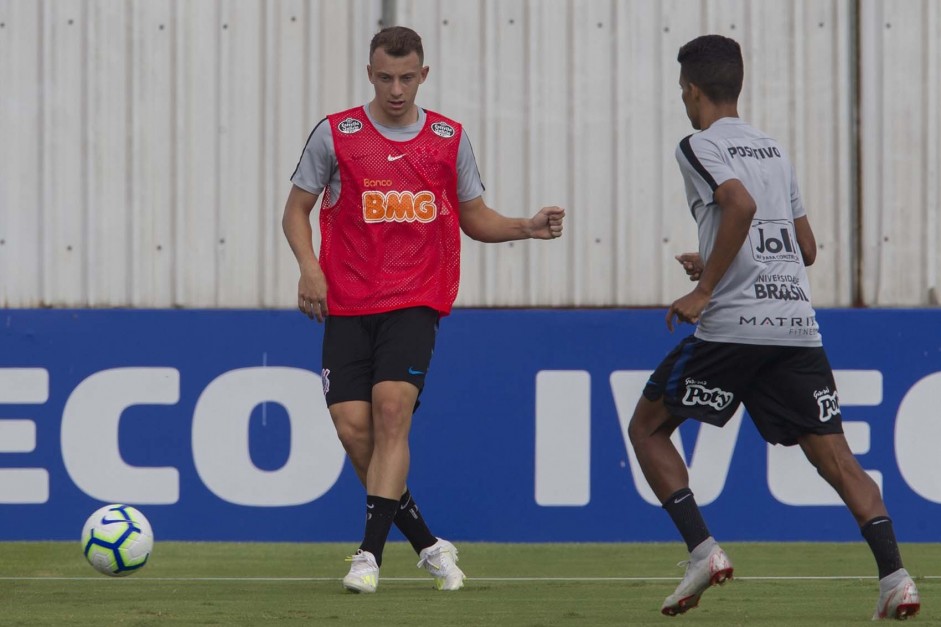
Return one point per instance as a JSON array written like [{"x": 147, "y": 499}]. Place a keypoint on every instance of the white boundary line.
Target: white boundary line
[{"x": 470, "y": 579}]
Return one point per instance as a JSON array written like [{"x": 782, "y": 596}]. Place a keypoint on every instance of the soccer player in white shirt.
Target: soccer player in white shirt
[{"x": 756, "y": 341}]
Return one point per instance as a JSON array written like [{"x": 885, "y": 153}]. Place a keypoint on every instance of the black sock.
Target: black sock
[
  {"x": 881, "y": 538},
  {"x": 379, "y": 515},
  {"x": 410, "y": 522},
  {"x": 682, "y": 508}
]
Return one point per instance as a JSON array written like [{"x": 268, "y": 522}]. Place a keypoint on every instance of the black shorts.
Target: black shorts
[
  {"x": 361, "y": 351},
  {"x": 788, "y": 391}
]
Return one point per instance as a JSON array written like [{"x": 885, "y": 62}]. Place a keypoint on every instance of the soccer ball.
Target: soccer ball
[{"x": 117, "y": 540}]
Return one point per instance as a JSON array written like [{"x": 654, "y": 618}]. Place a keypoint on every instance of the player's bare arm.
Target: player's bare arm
[
  {"x": 483, "y": 224},
  {"x": 806, "y": 240},
  {"x": 738, "y": 209},
  {"x": 312, "y": 286}
]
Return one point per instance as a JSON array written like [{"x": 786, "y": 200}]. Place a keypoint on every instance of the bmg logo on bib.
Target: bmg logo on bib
[{"x": 399, "y": 206}]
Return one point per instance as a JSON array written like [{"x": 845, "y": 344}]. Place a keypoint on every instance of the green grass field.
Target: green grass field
[{"x": 516, "y": 585}]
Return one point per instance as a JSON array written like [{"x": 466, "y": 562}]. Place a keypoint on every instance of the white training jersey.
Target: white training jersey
[{"x": 764, "y": 297}]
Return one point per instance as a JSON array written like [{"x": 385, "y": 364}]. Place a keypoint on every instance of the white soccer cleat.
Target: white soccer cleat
[
  {"x": 364, "y": 572},
  {"x": 898, "y": 597},
  {"x": 713, "y": 569},
  {"x": 440, "y": 559}
]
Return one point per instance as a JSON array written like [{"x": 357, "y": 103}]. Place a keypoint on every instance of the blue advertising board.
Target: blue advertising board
[{"x": 213, "y": 423}]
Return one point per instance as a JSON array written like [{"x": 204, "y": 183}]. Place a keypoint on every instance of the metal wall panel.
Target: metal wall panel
[
  {"x": 153, "y": 170},
  {"x": 576, "y": 102},
  {"x": 21, "y": 210},
  {"x": 901, "y": 182},
  {"x": 64, "y": 157},
  {"x": 317, "y": 59},
  {"x": 147, "y": 144}
]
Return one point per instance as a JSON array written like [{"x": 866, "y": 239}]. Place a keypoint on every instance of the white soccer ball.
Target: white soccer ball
[{"x": 117, "y": 540}]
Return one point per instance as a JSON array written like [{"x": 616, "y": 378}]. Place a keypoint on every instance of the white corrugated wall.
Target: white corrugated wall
[
  {"x": 900, "y": 170},
  {"x": 578, "y": 103},
  {"x": 147, "y": 145}
]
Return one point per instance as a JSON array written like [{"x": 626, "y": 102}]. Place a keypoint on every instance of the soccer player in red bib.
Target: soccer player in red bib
[{"x": 399, "y": 184}]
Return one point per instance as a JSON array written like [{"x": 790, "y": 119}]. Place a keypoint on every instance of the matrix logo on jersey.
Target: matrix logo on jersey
[
  {"x": 698, "y": 394},
  {"x": 399, "y": 206},
  {"x": 773, "y": 240},
  {"x": 828, "y": 403},
  {"x": 795, "y": 325},
  {"x": 442, "y": 129},
  {"x": 350, "y": 126}
]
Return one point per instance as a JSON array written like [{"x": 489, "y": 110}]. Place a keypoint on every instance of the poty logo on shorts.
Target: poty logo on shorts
[
  {"x": 325, "y": 379},
  {"x": 349, "y": 126},
  {"x": 828, "y": 402},
  {"x": 442, "y": 129},
  {"x": 698, "y": 394}
]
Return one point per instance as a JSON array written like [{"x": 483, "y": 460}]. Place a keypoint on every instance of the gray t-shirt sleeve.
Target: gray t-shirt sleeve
[
  {"x": 469, "y": 185},
  {"x": 317, "y": 166},
  {"x": 704, "y": 166}
]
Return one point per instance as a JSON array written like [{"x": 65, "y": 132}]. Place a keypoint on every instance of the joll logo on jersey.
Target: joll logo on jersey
[
  {"x": 395, "y": 206},
  {"x": 772, "y": 240},
  {"x": 828, "y": 403}
]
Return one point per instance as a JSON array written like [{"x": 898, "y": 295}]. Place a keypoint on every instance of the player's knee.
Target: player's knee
[
  {"x": 390, "y": 420},
  {"x": 639, "y": 430},
  {"x": 352, "y": 435},
  {"x": 649, "y": 418},
  {"x": 635, "y": 432}
]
